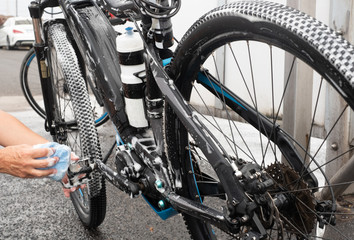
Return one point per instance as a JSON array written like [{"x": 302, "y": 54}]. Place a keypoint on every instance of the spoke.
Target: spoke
[
  {"x": 260, "y": 123},
  {"x": 317, "y": 215},
  {"x": 255, "y": 98},
  {"x": 273, "y": 101},
  {"x": 290, "y": 223},
  {"x": 313, "y": 188},
  {"x": 313, "y": 160},
  {"x": 212, "y": 115},
  {"x": 329, "y": 161},
  {"x": 242, "y": 75},
  {"x": 221, "y": 85},
  {"x": 330, "y": 131},
  {"x": 281, "y": 101},
  {"x": 204, "y": 177},
  {"x": 310, "y": 134},
  {"x": 227, "y": 138},
  {"x": 319, "y": 167},
  {"x": 273, "y": 148},
  {"x": 306, "y": 151}
]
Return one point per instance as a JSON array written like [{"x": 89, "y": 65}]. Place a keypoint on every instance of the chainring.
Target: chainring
[{"x": 299, "y": 217}]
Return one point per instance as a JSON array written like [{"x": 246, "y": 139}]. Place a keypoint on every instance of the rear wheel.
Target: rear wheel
[
  {"x": 243, "y": 110},
  {"x": 73, "y": 108}
]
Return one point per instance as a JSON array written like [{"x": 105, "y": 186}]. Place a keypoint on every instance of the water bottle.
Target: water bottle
[{"x": 130, "y": 52}]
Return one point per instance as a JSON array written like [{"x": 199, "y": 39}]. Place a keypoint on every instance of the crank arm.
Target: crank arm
[
  {"x": 146, "y": 149},
  {"x": 118, "y": 180}
]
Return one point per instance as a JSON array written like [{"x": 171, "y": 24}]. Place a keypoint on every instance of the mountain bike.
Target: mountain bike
[{"x": 192, "y": 137}]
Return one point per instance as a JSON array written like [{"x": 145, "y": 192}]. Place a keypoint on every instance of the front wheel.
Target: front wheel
[
  {"x": 242, "y": 104},
  {"x": 73, "y": 108},
  {"x": 31, "y": 88}
]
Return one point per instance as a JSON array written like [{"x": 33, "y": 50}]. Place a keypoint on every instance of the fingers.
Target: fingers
[
  {"x": 42, "y": 152},
  {"x": 65, "y": 179},
  {"x": 43, "y": 163},
  {"x": 36, "y": 173},
  {"x": 67, "y": 191},
  {"x": 74, "y": 157}
]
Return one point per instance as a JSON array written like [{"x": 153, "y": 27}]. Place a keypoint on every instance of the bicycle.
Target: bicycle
[{"x": 181, "y": 151}]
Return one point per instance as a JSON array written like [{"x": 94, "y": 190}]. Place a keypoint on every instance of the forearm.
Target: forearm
[{"x": 13, "y": 132}]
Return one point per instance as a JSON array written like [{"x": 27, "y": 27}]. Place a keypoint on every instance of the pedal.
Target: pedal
[{"x": 78, "y": 175}]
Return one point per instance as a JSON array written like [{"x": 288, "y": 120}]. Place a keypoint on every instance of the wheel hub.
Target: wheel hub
[{"x": 299, "y": 216}]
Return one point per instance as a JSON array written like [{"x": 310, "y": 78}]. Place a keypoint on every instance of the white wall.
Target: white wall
[{"x": 8, "y": 8}]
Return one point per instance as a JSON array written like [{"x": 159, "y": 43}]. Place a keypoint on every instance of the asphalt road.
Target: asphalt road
[{"x": 37, "y": 209}]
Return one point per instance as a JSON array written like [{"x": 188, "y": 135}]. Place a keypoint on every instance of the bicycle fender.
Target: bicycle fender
[{"x": 95, "y": 38}]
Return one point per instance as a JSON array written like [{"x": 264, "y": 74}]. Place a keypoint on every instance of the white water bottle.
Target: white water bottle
[{"x": 130, "y": 51}]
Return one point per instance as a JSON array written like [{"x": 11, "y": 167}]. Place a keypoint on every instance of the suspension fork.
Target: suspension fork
[{"x": 36, "y": 11}]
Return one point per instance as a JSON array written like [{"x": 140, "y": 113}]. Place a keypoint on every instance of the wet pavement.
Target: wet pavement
[{"x": 37, "y": 209}]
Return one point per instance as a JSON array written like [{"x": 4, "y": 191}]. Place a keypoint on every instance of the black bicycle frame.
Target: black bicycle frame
[{"x": 91, "y": 39}]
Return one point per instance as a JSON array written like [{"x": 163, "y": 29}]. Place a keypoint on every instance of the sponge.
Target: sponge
[{"x": 63, "y": 153}]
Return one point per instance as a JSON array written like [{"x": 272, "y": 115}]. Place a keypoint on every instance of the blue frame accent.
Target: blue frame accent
[
  {"x": 204, "y": 79},
  {"x": 99, "y": 119},
  {"x": 195, "y": 180},
  {"x": 166, "y": 61},
  {"x": 163, "y": 214}
]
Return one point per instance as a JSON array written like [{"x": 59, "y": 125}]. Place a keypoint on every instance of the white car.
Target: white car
[{"x": 16, "y": 31}]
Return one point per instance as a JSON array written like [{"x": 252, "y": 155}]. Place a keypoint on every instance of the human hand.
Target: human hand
[
  {"x": 65, "y": 179},
  {"x": 20, "y": 161}
]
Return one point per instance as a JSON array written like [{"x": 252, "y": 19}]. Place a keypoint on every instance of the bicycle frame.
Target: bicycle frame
[{"x": 91, "y": 40}]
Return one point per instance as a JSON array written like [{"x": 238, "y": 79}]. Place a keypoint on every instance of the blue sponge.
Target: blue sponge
[{"x": 63, "y": 153}]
